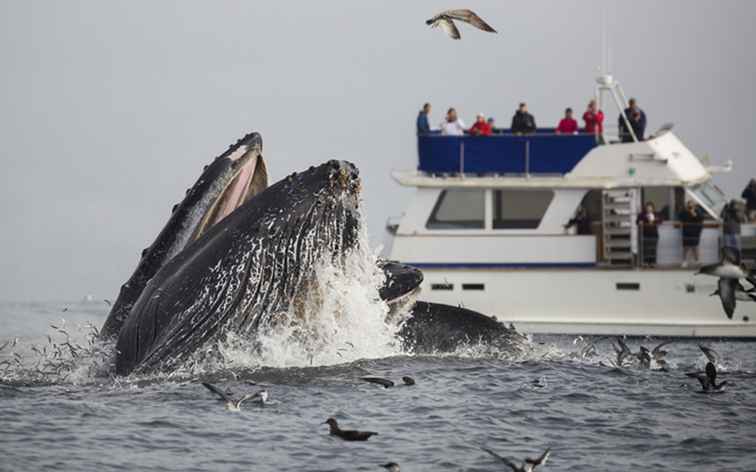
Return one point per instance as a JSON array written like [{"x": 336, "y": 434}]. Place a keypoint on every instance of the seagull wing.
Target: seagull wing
[
  {"x": 541, "y": 460},
  {"x": 469, "y": 16},
  {"x": 710, "y": 353},
  {"x": 450, "y": 28},
  {"x": 217, "y": 391},
  {"x": 657, "y": 352},
  {"x": 506, "y": 461},
  {"x": 246, "y": 397},
  {"x": 727, "y": 295}
]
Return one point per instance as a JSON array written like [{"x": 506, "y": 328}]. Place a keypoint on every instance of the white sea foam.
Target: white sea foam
[{"x": 341, "y": 320}]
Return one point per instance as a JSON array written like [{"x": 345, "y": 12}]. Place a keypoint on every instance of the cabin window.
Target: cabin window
[
  {"x": 458, "y": 209},
  {"x": 520, "y": 209}
]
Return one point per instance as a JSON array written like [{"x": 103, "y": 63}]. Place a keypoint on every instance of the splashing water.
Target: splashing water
[{"x": 341, "y": 320}]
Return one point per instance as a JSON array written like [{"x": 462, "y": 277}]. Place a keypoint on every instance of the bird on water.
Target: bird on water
[
  {"x": 233, "y": 404},
  {"x": 347, "y": 435},
  {"x": 391, "y": 466},
  {"x": 527, "y": 466},
  {"x": 709, "y": 380},
  {"x": 387, "y": 383},
  {"x": 446, "y": 19}
]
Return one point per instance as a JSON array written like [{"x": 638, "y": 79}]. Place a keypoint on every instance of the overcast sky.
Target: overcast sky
[{"x": 109, "y": 110}]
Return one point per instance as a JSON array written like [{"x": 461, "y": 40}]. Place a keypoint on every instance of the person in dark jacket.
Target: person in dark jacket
[
  {"x": 649, "y": 222},
  {"x": 637, "y": 119},
  {"x": 522, "y": 121},
  {"x": 582, "y": 221},
  {"x": 732, "y": 216},
  {"x": 423, "y": 125},
  {"x": 749, "y": 194},
  {"x": 692, "y": 224}
]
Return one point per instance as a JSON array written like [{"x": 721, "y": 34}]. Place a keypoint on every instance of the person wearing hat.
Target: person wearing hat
[{"x": 481, "y": 127}]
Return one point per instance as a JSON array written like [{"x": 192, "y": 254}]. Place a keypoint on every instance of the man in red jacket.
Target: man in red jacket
[
  {"x": 481, "y": 126},
  {"x": 594, "y": 119},
  {"x": 567, "y": 125}
]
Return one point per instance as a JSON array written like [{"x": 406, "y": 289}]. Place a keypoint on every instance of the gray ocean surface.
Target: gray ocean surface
[{"x": 592, "y": 416}]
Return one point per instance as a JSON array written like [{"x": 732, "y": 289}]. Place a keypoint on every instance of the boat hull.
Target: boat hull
[{"x": 673, "y": 303}]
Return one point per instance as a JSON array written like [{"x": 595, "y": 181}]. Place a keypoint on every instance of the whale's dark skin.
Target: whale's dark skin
[
  {"x": 189, "y": 219},
  {"x": 434, "y": 327},
  {"x": 401, "y": 280},
  {"x": 245, "y": 270}
]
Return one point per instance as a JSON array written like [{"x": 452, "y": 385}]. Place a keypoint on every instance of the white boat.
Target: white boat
[{"x": 486, "y": 226}]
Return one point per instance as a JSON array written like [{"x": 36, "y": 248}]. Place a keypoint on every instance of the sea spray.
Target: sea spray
[{"x": 341, "y": 319}]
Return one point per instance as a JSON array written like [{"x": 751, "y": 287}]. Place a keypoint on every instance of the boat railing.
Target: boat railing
[{"x": 542, "y": 152}]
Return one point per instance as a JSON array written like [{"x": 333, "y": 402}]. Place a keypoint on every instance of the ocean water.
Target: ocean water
[{"x": 63, "y": 411}]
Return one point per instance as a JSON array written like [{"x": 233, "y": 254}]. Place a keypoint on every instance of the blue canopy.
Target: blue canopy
[{"x": 536, "y": 153}]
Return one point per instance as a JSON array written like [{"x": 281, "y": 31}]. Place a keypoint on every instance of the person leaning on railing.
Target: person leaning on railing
[
  {"x": 522, "y": 121},
  {"x": 481, "y": 126},
  {"x": 452, "y": 125},
  {"x": 567, "y": 125}
]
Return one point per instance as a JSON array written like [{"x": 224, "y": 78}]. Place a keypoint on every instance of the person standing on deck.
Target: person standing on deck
[
  {"x": 522, "y": 121},
  {"x": 594, "y": 119},
  {"x": 452, "y": 126},
  {"x": 731, "y": 219},
  {"x": 422, "y": 123},
  {"x": 567, "y": 125},
  {"x": 749, "y": 194},
  {"x": 637, "y": 119},
  {"x": 691, "y": 219},
  {"x": 649, "y": 222}
]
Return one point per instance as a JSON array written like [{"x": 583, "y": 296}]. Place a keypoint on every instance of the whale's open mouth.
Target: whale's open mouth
[{"x": 249, "y": 178}]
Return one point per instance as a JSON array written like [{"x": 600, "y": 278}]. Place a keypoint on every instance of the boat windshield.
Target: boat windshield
[{"x": 709, "y": 196}]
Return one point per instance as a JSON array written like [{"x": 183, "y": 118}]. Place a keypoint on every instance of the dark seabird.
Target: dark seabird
[
  {"x": 644, "y": 357},
  {"x": 408, "y": 380},
  {"x": 709, "y": 380},
  {"x": 391, "y": 466},
  {"x": 446, "y": 19},
  {"x": 235, "y": 405},
  {"x": 347, "y": 435},
  {"x": 386, "y": 383},
  {"x": 622, "y": 352},
  {"x": 528, "y": 466}
]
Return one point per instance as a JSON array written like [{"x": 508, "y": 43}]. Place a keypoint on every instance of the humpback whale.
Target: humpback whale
[
  {"x": 231, "y": 179},
  {"x": 245, "y": 271}
]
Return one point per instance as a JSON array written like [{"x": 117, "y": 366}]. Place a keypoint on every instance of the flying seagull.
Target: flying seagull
[
  {"x": 528, "y": 466},
  {"x": 622, "y": 352},
  {"x": 712, "y": 355},
  {"x": 347, "y": 435},
  {"x": 660, "y": 354},
  {"x": 446, "y": 19},
  {"x": 235, "y": 405}
]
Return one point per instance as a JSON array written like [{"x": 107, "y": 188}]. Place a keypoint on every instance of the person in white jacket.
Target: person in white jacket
[{"x": 452, "y": 126}]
